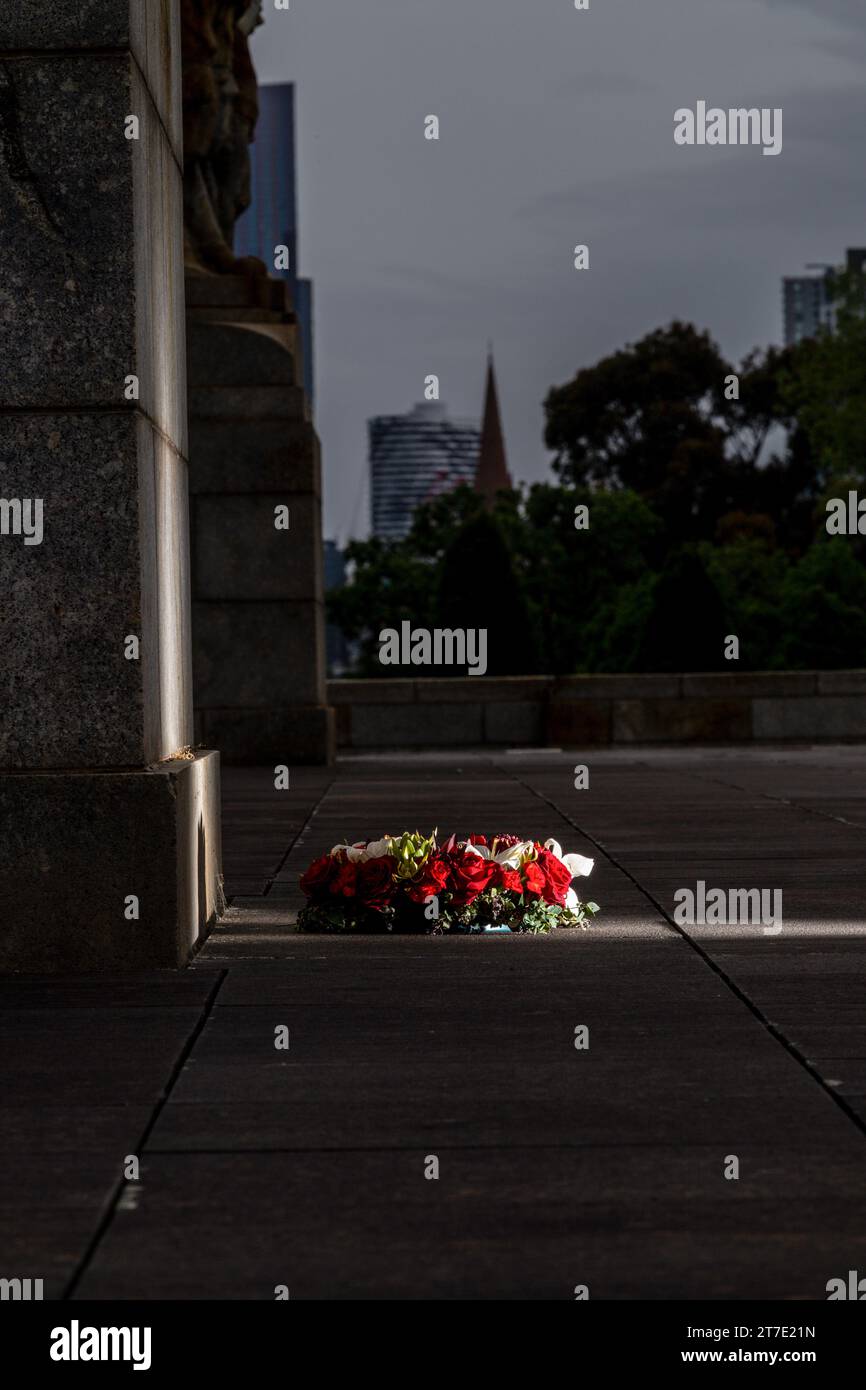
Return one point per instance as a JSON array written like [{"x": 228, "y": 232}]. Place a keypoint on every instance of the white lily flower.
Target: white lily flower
[
  {"x": 577, "y": 865},
  {"x": 513, "y": 858},
  {"x": 572, "y": 901},
  {"x": 580, "y": 866},
  {"x": 377, "y": 849},
  {"x": 510, "y": 858},
  {"x": 354, "y": 853}
]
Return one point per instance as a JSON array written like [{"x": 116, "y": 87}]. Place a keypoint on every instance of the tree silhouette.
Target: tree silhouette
[
  {"x": 479, "y": 588},
  {"x": 686, "y": 627}
]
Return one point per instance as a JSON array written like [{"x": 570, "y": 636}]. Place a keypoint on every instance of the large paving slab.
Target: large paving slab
[
  {"x": 557, "y": 1166},
  {"x": 84, "y": 1067},
  {"x": 651, "y": 1222}
]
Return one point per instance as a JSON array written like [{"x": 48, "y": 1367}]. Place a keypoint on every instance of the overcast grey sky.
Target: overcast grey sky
[{"x": 556, "y": 129}]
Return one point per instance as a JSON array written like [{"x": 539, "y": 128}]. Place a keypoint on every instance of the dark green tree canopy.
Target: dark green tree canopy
[
  {"x": 662, "y": 417},
  {"x": 704, "y": 502}
]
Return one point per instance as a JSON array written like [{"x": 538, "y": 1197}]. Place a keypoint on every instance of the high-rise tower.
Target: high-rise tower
[
  {"x": 414, "y": 458},
  {"x": 271, "y": 220}
]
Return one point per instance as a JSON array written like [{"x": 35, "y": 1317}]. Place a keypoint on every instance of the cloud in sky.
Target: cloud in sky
[{"x": 556, "y": 128}]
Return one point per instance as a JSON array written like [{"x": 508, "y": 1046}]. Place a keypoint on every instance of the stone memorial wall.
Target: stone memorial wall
[{"x": 109, "y": 824}]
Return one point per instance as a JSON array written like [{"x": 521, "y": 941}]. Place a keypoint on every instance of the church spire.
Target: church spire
[{"x": 492, "y": 472}]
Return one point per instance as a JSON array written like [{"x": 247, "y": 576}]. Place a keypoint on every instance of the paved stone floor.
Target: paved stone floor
[{"x": 557, "y": 1167}]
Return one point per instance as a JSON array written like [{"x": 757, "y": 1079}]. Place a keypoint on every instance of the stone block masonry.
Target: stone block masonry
[
  {"x": 83, "y": 845},
  {"x": 111, "y": 846},
  {"x": 600, "y": 710},
  {"x": 257, "y": 587}
]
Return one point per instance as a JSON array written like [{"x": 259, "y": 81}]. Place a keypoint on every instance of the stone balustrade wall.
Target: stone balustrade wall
[{"x": 600, "y": 710}]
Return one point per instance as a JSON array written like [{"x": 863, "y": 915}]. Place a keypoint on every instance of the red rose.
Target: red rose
[
  {"x": 557, "y": 875},
  {"x": 430, "y": 882},
  {"x": 344, "y": 883},
  {"x": 376, "y": 882},
  {"x": 318, "y": 876},
  {"x": 506, "y": 878},
  {"x": 534, "y": 880},
  {"x": 469, "y": 875},
  {"x": 478, "y": 840}
]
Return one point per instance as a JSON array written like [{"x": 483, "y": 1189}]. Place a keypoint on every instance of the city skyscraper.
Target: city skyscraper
[
  {"x": 414, "y": 458},
  {"x": 419, "y": 456},
  {"x": 808, "y": 302},
  {"x": 806, "y": 307},
  {"x": 271, "y": 220}
]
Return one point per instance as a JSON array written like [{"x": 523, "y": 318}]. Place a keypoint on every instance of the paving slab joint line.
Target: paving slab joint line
[
  {"x": 300, "y": 834},
  {"x": 495, "y": 1146},
  {"x": 778, "y": 800},
  {"x": 120, "y": 1186},
  {"x": 857, "y": 1120}
]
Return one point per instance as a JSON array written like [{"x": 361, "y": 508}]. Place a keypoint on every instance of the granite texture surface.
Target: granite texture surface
[
  {"x": 78, "y": 845},
  {"x": 257, "y": 655},
  {"x": 235, "y": 354},
  {"x": 237, "y": 455},
  {"x": 84, "y": 24},
  {"x": 239, "y": 553},
  {"x": 144, "y": 26},
  {"x": 91, "y": 243},
  {"x": 112, "y": 563},
  {"x": 300, "y": 734},
  {"x": 69, "y": 696},
  {"x": 258, "y": 602}
]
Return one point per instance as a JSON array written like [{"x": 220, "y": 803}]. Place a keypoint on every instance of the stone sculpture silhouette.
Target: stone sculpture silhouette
[{"x": 220, "y": 110}]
